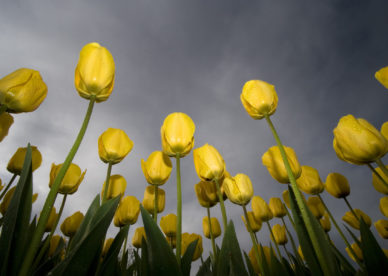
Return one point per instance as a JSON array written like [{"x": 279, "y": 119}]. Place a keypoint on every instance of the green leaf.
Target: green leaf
[
  {"x": 276, "y": 266},
  {"x": 144, "y": 269},
  {"x": 13, "y": 239},
  {"x": 161, "y": 258},
  {"x": 188, "y": 258},
  {"x": 346, "y": 267},
  {"x": 251, "y": 270},
  {"x": 49, "y": 262},
  {"x": 205, "y": 268},
  {"x": 264, "y": 263}
]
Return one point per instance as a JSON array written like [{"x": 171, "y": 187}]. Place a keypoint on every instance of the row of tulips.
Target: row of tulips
[{"x": 25, "y": 249}]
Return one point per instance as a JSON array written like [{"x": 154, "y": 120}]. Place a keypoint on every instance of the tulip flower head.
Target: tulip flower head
[
  {"x": 117, "y": 186},
  {"x": 384, "y": 206},
  {"x": 215, "y": 227},
  {"x": 149, "y": 199},
  {"x": 71, "y": 181},
  {"x": 384, "y": 130},
  {"x": 286, "y": 198},
  {"x": 353, "y": 221},
  {"x": 279, "y": 233},
  {"x": 203, "y": 197},
  {"x": 316, "y": 207},
  {"x": 127, "y": 212},
  {"x": 15, "y": 164},
  {"x": 138, "y": 237},
  {"x": 277, "y": 207},
  {"x": 357, "y": 250},
  {"x": 325, "y": 222},
  {"x": 377, "y": 183},
  {"x": 51, "y": 220},
  {"x": 337, "y": 185},
  {"x": 168, "y": 225},
  {"x": 382, "y": 76},
  {"x": 187, "y": 239},
  {"x": 71, "y": 224},
  {"x": 54, "y": 243},
  {"x": 239, "y": 189},
  {"x": 382, "y": 228},
  {"x": 309, "y": 181},
  {"x": 107, "y": 245},
  {"x": 157, "y": 168},
  {"x": 260, "y": 209},
  {"x": 208, "y": 162},
  {"x": 113, "y": 145},
  {"x": 6, "y": 120},
  {"x": 253, "y": 222}
]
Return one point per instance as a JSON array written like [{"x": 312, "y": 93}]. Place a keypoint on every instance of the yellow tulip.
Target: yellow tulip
[
  {"x": 384, "y": 130},
  {"x": 216, "y": 228},
  {"x": 51, "y": 220},
  {"x": 337, "y": 185},
  {"x": 384, "y": 206},
  {"x": 353, "y": 221},
  {"x": 34, "y": 197},
  {"x": 107, "y": 245},
  {"x": 377, "y": 183},
  {"x": 259, "y": 98},
  {"x": 15, "y": 164},
  {"x": 117, "y": 185},
  {"x": 127, "y": 212},
  {"x": 138, "y": 237},
  {"x": 310, "y": 181},
  {"x": 325, "y": 222},
  {"x": 267, "y": 254},
  {"x": 54, "y": 242},
  {"x": 157, "y": 168},
  {"x": 7, "y": 200},
  {"x": 382, "y": 76},
  {"x": 279, "y": 233},
  {"x": 210, "y": 189},
  {"x": 22, "y": 91},
  {"x": 177, "y": 134},
  {"x": 95, "y": 72},
  {"x": 208, "y": 162},
  {"x": 253, "y": 260},
  {"x": 149, "y": 199},
  {"x": 286, "y": 198},
  {"x": 357, "y": 141},
  {"x": 253, "y": 222},
  {"x": 71, "y": 224},
  {"x": 260, "y": 209},
  {"x": 382, "y": 228},
  {"x": 6, "y": 120},
  {"x": 168, "y": 225},
  {"x": 357, "y": 250},
  {"x": 71, "y": 181},
  {"x": 238, "y": 189},
  {"x": 316, "y": 207},
  {"x": 113, "y": 145},
  {"x": 277, "y": 207},
  {"x": 187, "y": 239},
  {"x": 203, "y": 198},
  {"x": 275, "y": 165}
]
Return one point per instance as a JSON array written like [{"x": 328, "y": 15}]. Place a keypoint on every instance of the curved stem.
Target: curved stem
[
  {"x": 291, "y": 238},
  {"x": 156, "y": 204},
  {"x": 274, "y": 241},
  {"x": 290, "y": 218},
  {"x": 382, "y": 166},
  {"x": 179, "y": 210},
  {"x": 378, "y": 175},
  {"x": 221, "y": 200},
  {"x": 108, "y": 173},
  {"x": 211, "y": 234},
  {"x": 50, "y": 200},
  {"x": 3, "y": 108},
  {"x": 8, "y": 186},
  {"x": 351, "y": 209}
]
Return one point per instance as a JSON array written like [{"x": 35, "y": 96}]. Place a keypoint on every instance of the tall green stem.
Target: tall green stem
[
  {"x": 3, "y": 108},
  {"x": 287, "y": 253},
  {"x": 221, "y": 200},
  {"x": 378, "y": 175},
  {"x": 351, "y": 209},
  {"x": 179, "y": 210},
  {"x": 108, "y": 172},
  {"x": 156, "y": 204},
  {"x": 290, "y": 218},
  {"x": 211, "y": 234},
  {"x": 382, "y": 166},
  {"x": 274, "y": 241},
  {"x": 50, "y": 200},
  {"x": 8, "y": 186},
  {"x": 291, "y": 238}
]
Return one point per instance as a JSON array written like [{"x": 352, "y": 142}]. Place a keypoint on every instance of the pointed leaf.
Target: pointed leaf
[
  {"x": 251, "y": 270},
  {"x": 188, "y": 258},
  {"x": 204, "y": 269}
]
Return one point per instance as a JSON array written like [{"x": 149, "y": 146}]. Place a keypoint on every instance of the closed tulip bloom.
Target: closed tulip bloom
[
  {"x": 107, "y": 245},
  {"x": 310, "y": 181},
  {"x": 6, "y": 121},
  {"x": 357, "y": 141},
  {"x": 22, "y": 91},
  {"x": 138, "y": 237},
  {"x": 260, "y": 209},
  {"x": 127, "y": 212},
  {"x": 259, "y": 98},
  {"x": 149, "y": 199},
  {"x": 95, "y": 72},
  {"x": 272, "y": 159},
  {"x": 7, "y": 200},
  {"x": 15, "y": 164},
  {"x": 377, "y": 183},
  {"x": 71, "y": 181},
  {"x": 382, "y": 228},
  {"x": 384, "y": 206},
  {"x": 384, "y": 130},
  {"x": 253, "y": 260},
  {"x": 113, "y": 145},
  {"x": 177, "y": 134},
  {"x": 157, "y": 168},
  {"x": 216, "y": 228},
  {"x": 337, "y": 185},
  {"x": 210, "y": 189},
  {"x": 51, "y": 220},
  {"x": 71, "y": 224},
  {"x": 117, "y": 186},
  {"x": 202, "y": 196},
  {"x": 168, "y": 225},
  {"x": 187, "y": 239},
  {"x": 357, "y": 250},
  {"x": 353, "y": 221},
  {"x": 253, "y": 222},
  {"x": 316, "y": 206},
  {"x": 325, "y": 222},
  {"x": 286, "y": 198},
  {"x": 277, "y": 207},
  {"x": 382, "y": 76},
  {"x": 208, "y": 163},
  {"x": 279, "y": 233},
  {"x": 239, "y": 189},
  {"x": 54, "y": 242}
]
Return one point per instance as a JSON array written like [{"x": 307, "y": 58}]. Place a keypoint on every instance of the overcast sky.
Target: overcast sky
[{"x": 194, "y": 57}]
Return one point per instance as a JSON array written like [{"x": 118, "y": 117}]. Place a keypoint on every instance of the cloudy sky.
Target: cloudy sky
[{"x": 194, "y": 57}]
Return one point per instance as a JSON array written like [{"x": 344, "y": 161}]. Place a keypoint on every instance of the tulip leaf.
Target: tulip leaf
[
  {"x": 161, "y": 258},
  {"x": 204, "y": 269},
  {"x": 263, "y": 260},
  {"x": 251, "y": 270},
  {"x": 144, "y": 265},
  {"x": 13, "y": 239},
  {"x": 346, "y": 267},
  {"x": 276, "y": 266},
  {"x": 50, "y": 262},
  {"x": 188, "y": 258}
]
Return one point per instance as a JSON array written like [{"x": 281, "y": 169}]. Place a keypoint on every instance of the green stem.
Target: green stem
[
  {"x": 378, "y": 175},
  {"x": 3, "y": 108},
  {"x": 274, "y": 241},
  {"x": 382, "y": 166},
  {"x": 351, "y": 209},
  {"x": 290, "y": 218},
  {"x": 50, "y": 200},
  {"x": 8, "y": 186},
  {"x": 291, "y": 238},
  {"x": 287, "y": 253},
  {"x": 221, "y": 200},
  {"x": 179, "y": 210},
  {"x": 156, "y": 204},
  {"x": 211, "y": 234},
  {"x": 108, "y": 172}
]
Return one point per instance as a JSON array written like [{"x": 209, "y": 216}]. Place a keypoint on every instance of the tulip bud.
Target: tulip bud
[
  {"x": 382, "y": 76},
  {"x": 71, "y": 181},
  {"x": 149, "y": 199},
  {"x": 168, "y": 225},
  {"x": 316, "y": 207},
  {"x": 253, "y": 260},
  {"x": 210, "y": 189},
  {"x": 382, "y": 228},
  {"x": 107, "y": 245},
  {"x": 208, "y": 163},
  {"x": 202, "y": 196},
  {"x": 6, "y": 120},
  {"x": 309, "y": 181},
  {"x": 277, "y": 207},
  {"x": 95, "y": 72},
  {"x": 117, "y": 186},
  {"x": 357, "y": 250},
  {"x": 272, "y": 159},
  {"x": 260, "y": 209},
  {"x": 279, "y": 233},
  {"x": 22, "y": 91},
  {"x": 15, "y": 164},
  {"x": 259, "y": 98},
  {"x": 51, "y": 220},
  {"x": 239, "y": 189},
  {"x": 377, "y": 183},
  {"x": 138, "y": 237},
  {"x": 177, "y": 134},
  {"x": 71, "y": 224},
  {"x": 54, "y": 242},
  {"x": 7, "y": 200},
  {"x": 357, "y": 141},
  {"x": 353, "y": 221},
  {"x": 253, "y": 222},
  {"x": 325, "y": 222},
  {"x": 384, "y": 206},
  {"x": 337, "y": 185},
  {"x": 215, "y": 227},
  {"x": 187, "y": 239},
  {"x": 384, "y": 130},
  {"x": 286, "y": 198},
  {"x": 113, "y": 145},
  {"x": 127, "y": 212},
  {"x": 157, "y": 168}
]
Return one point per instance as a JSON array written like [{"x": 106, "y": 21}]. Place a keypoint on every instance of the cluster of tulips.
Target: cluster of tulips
[{"x": 84, "y": 249}]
